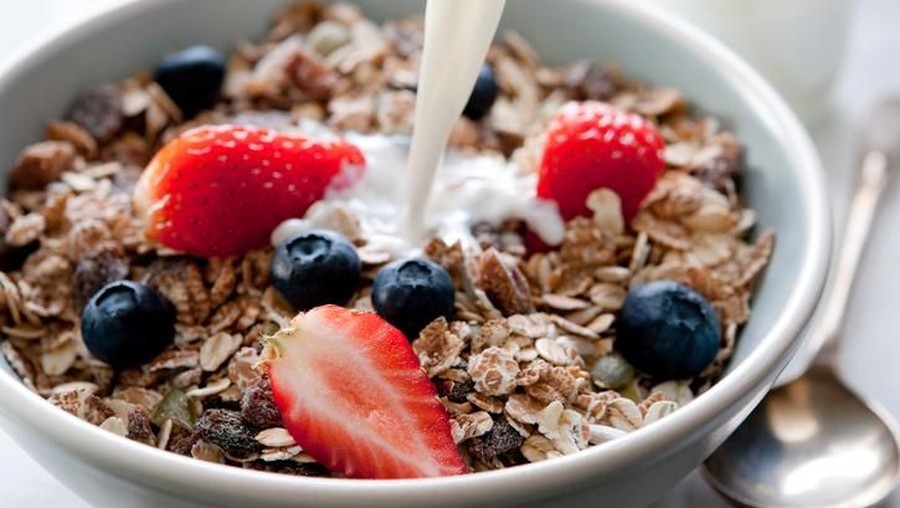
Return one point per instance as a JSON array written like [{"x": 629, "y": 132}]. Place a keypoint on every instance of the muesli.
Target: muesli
[{"x": 528, "y": 364}]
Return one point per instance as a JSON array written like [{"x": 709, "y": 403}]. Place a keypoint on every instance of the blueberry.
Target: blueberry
[
  {"x": 411, "y": 293},
  {"x": 192, "y": 77},
  {"x": 667, "y": 330},
  {"x": 126, "y": 324},
  {"x": 316, "y": 268},
  {"x": 483, "y": 96}
]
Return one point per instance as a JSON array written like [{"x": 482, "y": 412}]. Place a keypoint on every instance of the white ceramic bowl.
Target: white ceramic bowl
[{"x": 784, "y": 183}]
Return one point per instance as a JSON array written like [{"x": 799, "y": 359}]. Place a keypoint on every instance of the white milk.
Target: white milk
[
  {"x": 466, "y": 190},
  {"x": 458, "y": 34},
  {"x": 410, "y": 191}
]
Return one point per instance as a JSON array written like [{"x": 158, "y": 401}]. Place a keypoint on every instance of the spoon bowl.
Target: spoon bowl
[
  {"x": 811, "y": 443},
  {"x": 814, "y": 442}
]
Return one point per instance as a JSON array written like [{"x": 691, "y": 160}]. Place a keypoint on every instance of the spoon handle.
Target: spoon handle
[{"x": 873, "y": 178}]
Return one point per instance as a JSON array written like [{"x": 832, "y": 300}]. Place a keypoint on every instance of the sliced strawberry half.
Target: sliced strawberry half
[{"x": 353, "y": 395}]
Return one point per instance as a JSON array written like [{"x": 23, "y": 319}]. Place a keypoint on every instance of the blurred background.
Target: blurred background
[{"x": 831, "y": 59}]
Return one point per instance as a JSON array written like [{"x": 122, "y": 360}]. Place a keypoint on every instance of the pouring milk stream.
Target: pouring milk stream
[
  {"x": 458, "y": 34},
  {"x": 391, "y": 200}
]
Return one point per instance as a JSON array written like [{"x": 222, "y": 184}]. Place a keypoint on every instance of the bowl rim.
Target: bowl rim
[{"x": 144, "y": 464}]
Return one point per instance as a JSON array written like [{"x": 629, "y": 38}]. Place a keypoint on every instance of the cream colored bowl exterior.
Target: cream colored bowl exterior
[{"x": 784, "y": 183}]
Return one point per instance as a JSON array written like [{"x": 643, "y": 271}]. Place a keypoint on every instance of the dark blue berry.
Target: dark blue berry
[
  {"x": 192, "y": 77},
  {"x": 127, "y": 324},
  {"x": 411, "y": 293},
  {"x": 483, "y": 96},
  {"x": 667, "y": 330},
  {"x": 316, "y": 268}
]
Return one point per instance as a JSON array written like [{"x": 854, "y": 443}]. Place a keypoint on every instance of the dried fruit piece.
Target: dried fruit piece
[
  {"x": 228, "y": 431},
  {"x": 95, "y": 271},
  {"x": 312, "y": 76},
  {"x": 258, "y": 406},
  {"x": 178, "y": 407},
  {"x": 457, "y": 392},
  {"x": 42, "y": 163},
  {"x": 99, "y": 111}
]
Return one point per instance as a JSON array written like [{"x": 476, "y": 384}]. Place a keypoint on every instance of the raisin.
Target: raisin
[
  {"x": 99, "y": 111},
  {"x": 292, "y": 468},
  {"x": 181, "y": 441},
  {"x": 258, "y": 406},
  {"x": 723, "y": 170},
  {"x": 456, "y": 392},
  {"x": 227, "y": 430},
  {"x": 95, "y": 271},
  {"x": 139, "y": 426},
  {"x": 217, "y": 402},
  {"x": 592, "y": 82},
  {"x": 501, "y": 440}
]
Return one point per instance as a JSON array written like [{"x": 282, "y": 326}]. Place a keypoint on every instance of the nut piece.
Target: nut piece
[
  {"x": 276, "y": 437},
  {"x": 467, "y": 426},
  {"x": 504, "y": 285},
  {"x": 42, "y": 163},
  {"x": 437, "y": 347},
  {"x": 75, "y": 134},
  {"x": 217, "y": 349},
  {"x": 310, "y": 75},
  {"x": 328, "y": 36},
  {"x": 25, "y": 230}
]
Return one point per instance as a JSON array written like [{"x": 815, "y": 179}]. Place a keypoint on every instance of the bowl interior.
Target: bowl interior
[
  {"x": 782, "y": 183},
  {"x": 44, "y": 86}
]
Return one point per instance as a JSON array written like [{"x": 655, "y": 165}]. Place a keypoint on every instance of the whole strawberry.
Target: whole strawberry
[
  {"x": 591, "y": 145},
  {"x": 218, "y": 191}
]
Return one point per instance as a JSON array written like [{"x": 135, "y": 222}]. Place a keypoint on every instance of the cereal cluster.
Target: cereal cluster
[{"x": 527, "y": 369}]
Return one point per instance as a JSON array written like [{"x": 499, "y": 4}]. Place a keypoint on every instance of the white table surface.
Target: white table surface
[{"x": 870, "y": 359}]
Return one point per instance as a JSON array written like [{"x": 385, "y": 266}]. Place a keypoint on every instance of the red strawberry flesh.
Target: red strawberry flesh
[
  {"x": 592, "y": 145},
  {"x": 353, "y": 395},
  {"x": 218, "y": 191}
]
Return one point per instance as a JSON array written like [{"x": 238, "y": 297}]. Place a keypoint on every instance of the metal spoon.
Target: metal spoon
[{"x": 814, "y": 442}]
